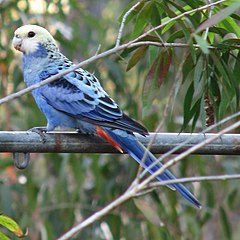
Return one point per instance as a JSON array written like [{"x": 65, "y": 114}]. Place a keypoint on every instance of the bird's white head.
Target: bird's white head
[{"x": 28, "y": 37}]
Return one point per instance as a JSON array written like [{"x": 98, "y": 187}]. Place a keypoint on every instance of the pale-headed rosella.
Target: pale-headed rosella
[{"x": 78, "y": 101}]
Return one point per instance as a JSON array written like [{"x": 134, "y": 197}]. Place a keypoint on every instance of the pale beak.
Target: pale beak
[{"x": 17, "y": 43}]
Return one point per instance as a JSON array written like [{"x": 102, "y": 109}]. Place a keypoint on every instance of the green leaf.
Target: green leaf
[
  {"x": 188, "y": 67},
  {"x": 11, "y": 225},
  {"x": 230, "y": 25},
  {"x": 219, "y": 31},
  {"x": 226, "y": 226},
  {"x": 187, "y": 106},
  {"x": 3, "y": 237},
  {"x": 232, "y": 198},
  {"x": 215, "y": 93},
  {"x": 175, "y": 35},
  {"x": 137, "y": 56},
  {"x": 198, "y": 75},
  {"x": 155, "y": 17},
  {"x": 230, "y": 44},
  {"x": 150, "y": 38},
  {"x": 236, "y": 69},
  {"x": 230, "y": 83},
  {"x": 133, "y": 13},
  {"x": 195, "y": 112},
  {"x": 142, "y": 20},
  {"x": 235, "y": 16},
  {"x": 202, "y": 43},
  {"x": 218, "y": 17},
  {"x": 221, "y": 69}
]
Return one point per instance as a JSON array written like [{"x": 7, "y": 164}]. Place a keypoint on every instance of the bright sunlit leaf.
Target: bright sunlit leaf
[{"x": 11, "y": 225}]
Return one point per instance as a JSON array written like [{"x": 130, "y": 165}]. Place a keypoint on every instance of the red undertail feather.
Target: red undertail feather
[{"x": 103, "y": 134}]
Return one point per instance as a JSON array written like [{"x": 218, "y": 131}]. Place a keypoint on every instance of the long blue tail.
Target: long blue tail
[{"x": 130, "y": 144}]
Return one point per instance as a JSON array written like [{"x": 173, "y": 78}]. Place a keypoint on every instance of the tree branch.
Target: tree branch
[
  {"x": 196, "y": 179},
  {"x": 155, "y": 185},
  {"x": 134, "y": 188},
  {"x": 102, "y": 55},
  {"x": 137, "y": 187},
  {"x": 179, "y": 146},
  {"x": 179, "y": 157}
]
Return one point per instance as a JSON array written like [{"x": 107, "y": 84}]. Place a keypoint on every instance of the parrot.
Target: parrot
[{"x": 78, "y": 101}]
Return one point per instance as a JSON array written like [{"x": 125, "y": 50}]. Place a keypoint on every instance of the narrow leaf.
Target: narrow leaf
[
  {"x": 152, "y": 70},
  {"x": 150, "y": 38},
  {"x": 3, "y": 237},
  {"x": 187, "y": 106},
  {"x": 132, "y": 14},
  {"x": 195, "y": 112},
  {"x": 218, "y": 17},
  {"x": 136, "y": 57},
  {"x": 226, "y": 227},
  {"x": 142, "y": 19},
  {"x": 164, "y": 66},
  {"x": 233, "y": 198},
  {"x": 11, "y": 225},
  {"x": 202, "y": 43}
]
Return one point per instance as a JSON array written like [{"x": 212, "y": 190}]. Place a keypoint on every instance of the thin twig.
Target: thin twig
[
  {"x": 178, "y": 158},
  {"x": 210, "y": 15},
  {"x": 155, "y": 185},
  {"x": 132, "y": 191},
  {"x": 94, "y": 217},
  {"x": 196, "y": 179},
  {"x": 173, "y": 150},
  {"x": 167, "y": 45},
  {"x": 166, "y": 111},
  {"x": 123, "y": 23},
  {"x": 136, "y": 188},
  {"x": 98, "y": 50}
]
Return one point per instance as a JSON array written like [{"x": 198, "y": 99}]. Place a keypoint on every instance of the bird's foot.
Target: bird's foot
[{"x": 40, "y": 131}]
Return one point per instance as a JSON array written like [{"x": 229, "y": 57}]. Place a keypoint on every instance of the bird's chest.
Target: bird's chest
[{"x": 32, "y": 67}]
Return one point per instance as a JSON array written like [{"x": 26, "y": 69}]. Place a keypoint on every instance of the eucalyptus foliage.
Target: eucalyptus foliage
[{"x": 197, "y": 78}]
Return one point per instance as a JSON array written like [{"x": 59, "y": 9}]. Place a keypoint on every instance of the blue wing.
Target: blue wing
[{"x": 80, "y": 95}]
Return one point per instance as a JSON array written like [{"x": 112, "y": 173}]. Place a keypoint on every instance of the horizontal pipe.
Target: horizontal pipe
[{"x": 73, "y": 142}]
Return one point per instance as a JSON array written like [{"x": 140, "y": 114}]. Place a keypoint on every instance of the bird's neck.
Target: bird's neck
[{"x": 34, "y": 62}]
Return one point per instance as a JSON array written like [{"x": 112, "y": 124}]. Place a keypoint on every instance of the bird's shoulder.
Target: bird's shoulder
[
  {"x": 75, "y": 86},
  {"x": 79, "y": 78}
]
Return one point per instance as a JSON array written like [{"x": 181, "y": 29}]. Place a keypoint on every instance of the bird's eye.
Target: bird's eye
[{"x": 31, "y": 34}]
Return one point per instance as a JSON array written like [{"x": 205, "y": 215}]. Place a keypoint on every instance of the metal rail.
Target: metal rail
[{"x": 72, "y": 142}]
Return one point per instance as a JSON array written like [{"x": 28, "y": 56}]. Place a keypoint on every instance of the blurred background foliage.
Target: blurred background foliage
[{"x": 59, "y": 190}]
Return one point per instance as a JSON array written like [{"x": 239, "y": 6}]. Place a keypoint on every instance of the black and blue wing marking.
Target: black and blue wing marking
[{"x": 80, "y": 95}]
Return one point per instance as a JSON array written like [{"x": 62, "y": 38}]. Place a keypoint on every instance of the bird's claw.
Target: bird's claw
[{"x": 40, "y": 131}]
